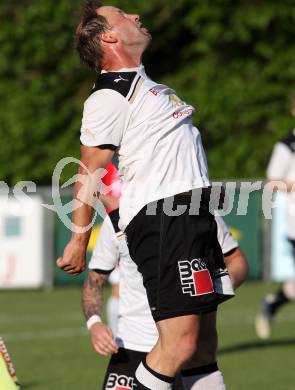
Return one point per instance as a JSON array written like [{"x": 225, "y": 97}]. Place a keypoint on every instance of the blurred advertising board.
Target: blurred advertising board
[
  {"x": 245, "y": 225},
  {"x": 61, "y": 237},
  {"x": 282, "y": 262},
  {"x": 26, "y": 254}
]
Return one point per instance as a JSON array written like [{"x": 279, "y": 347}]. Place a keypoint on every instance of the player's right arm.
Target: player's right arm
[
  {"x": 92, "y": 304},
  {"x": 85, "y": 195},
  {"x": 103, "y": 122}
]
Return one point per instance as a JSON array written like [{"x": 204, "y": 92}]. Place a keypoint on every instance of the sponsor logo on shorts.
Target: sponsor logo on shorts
[
  {"x": 119, "y": 382},
  {"x": 195, "y": 277}
]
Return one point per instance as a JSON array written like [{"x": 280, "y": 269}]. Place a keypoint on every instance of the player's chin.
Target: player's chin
[
  {"x": 145, "y": 32},
  {"x": 148, "y": 34}
]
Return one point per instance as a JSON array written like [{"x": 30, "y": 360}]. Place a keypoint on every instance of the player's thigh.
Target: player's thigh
[
  {"x": 173, "y": 331},
  {"x": 121, "y": 369}
]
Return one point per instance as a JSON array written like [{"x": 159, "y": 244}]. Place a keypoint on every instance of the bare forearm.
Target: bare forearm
[
  {"x": 281, "y": 185},
  {"x": 109, "y": 202},
  {"x": 92, "y": 294},
  {"x": 92, "y": 303},
  {"x": 82, "y": 216},
  {"x": 237, "y": 267},
  {"x": 86, "y": 190}
]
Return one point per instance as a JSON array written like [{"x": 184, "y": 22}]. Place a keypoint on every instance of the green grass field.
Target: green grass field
[{"x": 46, "y": 337}]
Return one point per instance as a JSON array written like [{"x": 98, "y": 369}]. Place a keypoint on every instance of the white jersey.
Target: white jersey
[
  {"x": 282, "y": 167},
  {"x": 136, "y": 328},
  {"x": 160, "y": 152}
]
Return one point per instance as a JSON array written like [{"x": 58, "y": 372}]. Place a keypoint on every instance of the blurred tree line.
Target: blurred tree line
[{"x": 233, "y": 60}]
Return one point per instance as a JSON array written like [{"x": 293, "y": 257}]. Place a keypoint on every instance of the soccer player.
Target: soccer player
[
  {"x": 164, "y": 208},
  {"x": 137, "y": 332},
  {"x": 281, "y": 176}
]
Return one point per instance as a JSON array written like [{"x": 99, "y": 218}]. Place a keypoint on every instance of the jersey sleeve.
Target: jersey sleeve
[
  {"x": 106, "y": 253},
  {"x": 115, "y": 276},
  {"x": 279, "y": 162},
  {"x": 225, "y": 238},
  {"x": 104, "y": 117}
]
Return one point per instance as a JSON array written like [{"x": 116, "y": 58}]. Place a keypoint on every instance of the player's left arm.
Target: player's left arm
[
  {"x": 237, "y": 266},
  {"x": 92, "y": 304}
]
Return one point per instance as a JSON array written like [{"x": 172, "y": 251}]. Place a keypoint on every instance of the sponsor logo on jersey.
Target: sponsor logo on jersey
[
  {"x": 175, "y": 100},
  {"x": 180, "y": 114},
  {"x": 119, "y": 382},
  {"x": 89, "y": 133},
  {"x": 195, "y": 277},
  {"x": 155, "y": 91}
]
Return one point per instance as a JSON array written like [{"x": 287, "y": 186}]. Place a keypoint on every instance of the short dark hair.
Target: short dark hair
[{"x": 87, "y": 36}]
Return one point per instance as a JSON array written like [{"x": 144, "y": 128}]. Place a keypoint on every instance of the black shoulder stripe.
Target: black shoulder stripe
[
  {"x": 118, "y": 81},
  {"x": 114, "y": 217},
  {"x": 289, "y": 142}
]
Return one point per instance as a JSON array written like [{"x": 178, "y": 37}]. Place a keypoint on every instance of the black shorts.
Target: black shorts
[
  {"x": 121, "y": 371},
  {"x": 174, "y": 245}
]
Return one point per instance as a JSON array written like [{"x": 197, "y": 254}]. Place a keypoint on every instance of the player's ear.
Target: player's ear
[{"x": 108, "y": 37}]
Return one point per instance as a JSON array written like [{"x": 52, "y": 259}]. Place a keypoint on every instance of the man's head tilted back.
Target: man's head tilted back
[{"x": 108, "y": 38}]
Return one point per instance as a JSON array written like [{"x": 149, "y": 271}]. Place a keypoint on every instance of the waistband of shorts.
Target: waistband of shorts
[
  {"x": 203, "y": 195},
  {"x": 205, "y": 192}
]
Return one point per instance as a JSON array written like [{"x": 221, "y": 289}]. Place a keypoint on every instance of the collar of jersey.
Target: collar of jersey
[{"x": 139, "y": 69}]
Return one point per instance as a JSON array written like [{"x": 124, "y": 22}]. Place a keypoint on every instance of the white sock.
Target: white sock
[
  {"x": 148, "y": 379},
  {"x": 112, "y": 313},
  {"x": 203, "y": 381}
]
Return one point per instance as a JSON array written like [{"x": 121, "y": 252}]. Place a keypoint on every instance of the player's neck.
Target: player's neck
[{"x": 117, "y": 60}]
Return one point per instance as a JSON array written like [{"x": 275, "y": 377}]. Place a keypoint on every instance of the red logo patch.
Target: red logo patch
[
  {"x": 195, "y": 277},
  {"x": 203, "y": 282},
  {"x": 122, "y": 388}
]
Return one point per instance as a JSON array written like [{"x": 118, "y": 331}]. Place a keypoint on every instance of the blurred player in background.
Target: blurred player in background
[
  {"x": 281, "y": 176},
  {"x": 113, "y": 300},
  {"x": 114, "y": 184},
  {"x": 8, "y": 378},
  {"x": 137, "y": 332}
]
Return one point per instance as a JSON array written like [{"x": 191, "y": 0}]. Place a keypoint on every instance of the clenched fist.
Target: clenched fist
[
  {"x": 73, "y": 260},
  {"x": 102, "y": 339}
]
